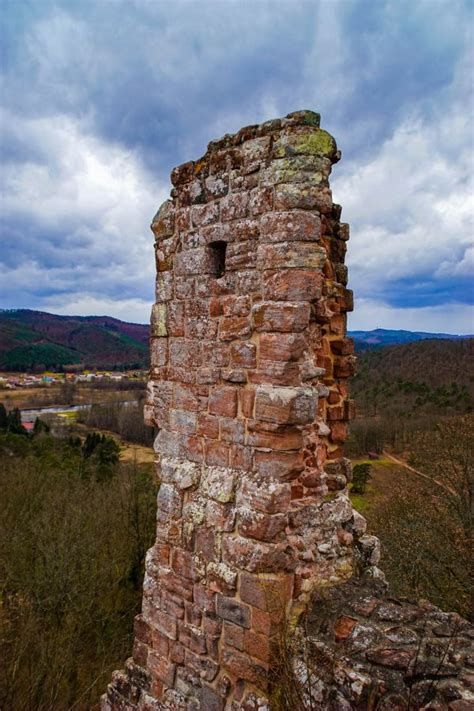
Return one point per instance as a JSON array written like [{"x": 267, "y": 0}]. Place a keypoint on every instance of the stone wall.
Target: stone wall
[{"x": 248, "y": 390}]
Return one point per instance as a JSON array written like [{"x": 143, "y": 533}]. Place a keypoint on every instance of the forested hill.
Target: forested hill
[
  {"x": 32, "y": 340},
  {"x": 380, "y": 337},
  {"x": 434, "y": 376}
]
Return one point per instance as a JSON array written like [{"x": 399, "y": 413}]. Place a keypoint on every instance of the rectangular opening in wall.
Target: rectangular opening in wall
[{"x": 218, "y": 250}]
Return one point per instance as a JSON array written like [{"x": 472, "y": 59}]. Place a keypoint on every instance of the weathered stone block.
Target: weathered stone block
[
  {"x": 285, "y": 405},
  {"x": 292, "y": 285},
  {"x": 291, "y": 255},
  {"x": 281, "y": 316},
  {"x": 294, "y": 226}
]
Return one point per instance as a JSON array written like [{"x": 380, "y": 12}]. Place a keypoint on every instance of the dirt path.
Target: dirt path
[{"x": 432, "y": 480}]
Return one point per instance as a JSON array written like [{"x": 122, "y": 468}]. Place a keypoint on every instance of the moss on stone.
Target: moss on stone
[{"x": 315, "y": 142}]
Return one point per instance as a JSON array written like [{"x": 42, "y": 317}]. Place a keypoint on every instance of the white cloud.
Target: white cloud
[
  {"x": 133, "y": 310},
  {"x": 411, "y": 205},
  {"x": 84, "y": 207}
]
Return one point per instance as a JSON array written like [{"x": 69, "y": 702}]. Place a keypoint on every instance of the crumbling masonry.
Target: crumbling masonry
[{"x": 248, "y": 390}]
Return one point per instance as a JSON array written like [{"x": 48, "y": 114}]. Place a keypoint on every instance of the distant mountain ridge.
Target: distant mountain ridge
[
  {"x": 32, "y": 340},
  {"x": 380, "y": 337}
]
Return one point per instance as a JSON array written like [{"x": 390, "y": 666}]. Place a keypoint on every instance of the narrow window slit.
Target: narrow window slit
[{"x": 218, "y": 250}]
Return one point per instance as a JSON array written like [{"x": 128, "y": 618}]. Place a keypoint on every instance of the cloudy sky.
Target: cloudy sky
[{"x": 101, "y": 98}]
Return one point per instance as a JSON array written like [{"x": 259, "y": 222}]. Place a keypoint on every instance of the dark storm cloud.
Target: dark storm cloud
[{"x": 104, "y": 98}]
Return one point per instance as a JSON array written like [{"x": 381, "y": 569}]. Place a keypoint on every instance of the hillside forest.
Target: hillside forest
[{"x": 78, "y": 512}]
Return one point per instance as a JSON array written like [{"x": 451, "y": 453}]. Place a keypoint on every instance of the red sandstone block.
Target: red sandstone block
[
  {"x": 285, "y": 405},
  {"x": 186, "y": 398},
  {"x": 292, "y": 285},
  {"x": 216, "y": 453},
  {"x": 142, "y": 630},
  {"x": 200, "y": 328},
  {"x": 342, "y": 346},
  {"x": 175, "y": 319},
  {"x": 160, "y": 643},
  {"x": 210, "y": 700},
  {"x": 140, "y": 653},
  {"x": 165, "y": 624},
  {"x": 346, "y": 301},
  {"x": 240, "y": 457},
  {"x": 193, "y": 614},
  {"x": 184, "y": 353},
  {"x": 176, "y": 584},
  {"x": 163, "y": 222},
  {"x": 169, "y": 503},
  {"x": 242, "y": 354},
  {"x": 265, "y": 623},
  {"x": 183, "y": 564},
  {"x": 284, "y": 466},
  {"x": 216, "y": 354},
  {"x": 245, "y": 259},
  {"x": 233, "y": 611},
  {"x": 193, "y": 261},
  {"x": 276, "y": 373},
  {"x": 281, "y": 316},
  {"x": 184, "y": 422},
  {"x": 260, "y": 526},
  {"x": 220, "y": 516},
  {"x": 207, "y": 376},
  {"x": 243, "y": 667},
  {"x": 232, "y": 430},
  {"x": 263, "y": 495},
  {"x": 216, "y": 186},
  {"x": 343, "y": 232},
  {"x": 236, "y": 305},
  {"x": 282, "y": 346},
  {"x": 205, "y": 543},
  {"x": 217, "y": 233},
  {"x": 223, "y": 401},
  {"x": 338, "y": 432},
  {"x": 196, "y": 307},
  {"x": 288, "y": 438},
  {"x": 161, "y": 668},
  {"x": 204, "y": 666},
  {"x": 212, "y": 625},
  {"x": 203, "y": 215},
  {"x": 344, "y": 367},
  {"x": 261, "y": 200},
  {"x": 255, "y": 556},
  {"x": 192, "y": 638},
  {"x": 233, "y": 327},
  {"x": 158, "y": 352},
  {"x": 247, "y": 399},
  {"x": 172, "y": 605},
  {"x": 182, "y": 174},
  {"x": 208, "y": 426},
  {"x": 215, "y": 307},
  {"x": 204, "y": 599},
  {"x": 234, "y": 206},
  {"x": 291, "y": 255},
  {"x": 258, "y": 646},
  {"x": 234, "y": 635},
  {"x": 290, "y": 226},
  {"x": 270, "y": 593},
  {"x": 176, "y": 653},
  {"x": 289, "y": 196},
  {"x": 192, "y": 449},
  {"x": 337, "y": 412}
]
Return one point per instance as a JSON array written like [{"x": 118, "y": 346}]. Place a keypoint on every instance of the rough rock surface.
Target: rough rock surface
[{"x": 248, "y": 389}]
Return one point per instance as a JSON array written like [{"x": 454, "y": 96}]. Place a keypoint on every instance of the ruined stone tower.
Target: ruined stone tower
[{"x": 248, "y": 390}]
